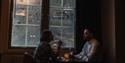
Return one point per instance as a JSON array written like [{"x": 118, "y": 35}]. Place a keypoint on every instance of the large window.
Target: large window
[
  {"x": 26, "y": 23},
  {"x": 62, "y": 19},
  {"x": 27, "y": 19}
]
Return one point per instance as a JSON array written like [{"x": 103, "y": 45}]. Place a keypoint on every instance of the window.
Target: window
[
  {"x": 61, "y": 21},
  {"x": 26, "y": 23}
]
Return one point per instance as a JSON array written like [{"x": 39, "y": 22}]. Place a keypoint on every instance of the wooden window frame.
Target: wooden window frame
[{"x": 44, "y": 21}]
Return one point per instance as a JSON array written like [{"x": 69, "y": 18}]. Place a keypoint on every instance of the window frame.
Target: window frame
[
  {"x": 74, "y": 25},
  {"x": 44, "y": 22}
]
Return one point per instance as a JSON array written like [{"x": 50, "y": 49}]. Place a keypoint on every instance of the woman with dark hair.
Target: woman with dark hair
[{"x": 43, "y": 51}]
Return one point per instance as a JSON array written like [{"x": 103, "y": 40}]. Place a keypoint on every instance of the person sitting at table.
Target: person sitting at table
[
  {"x": 43, "y": 51},
  {"x": 56, "y": 50},
  {"x": 90, "y": 48}
]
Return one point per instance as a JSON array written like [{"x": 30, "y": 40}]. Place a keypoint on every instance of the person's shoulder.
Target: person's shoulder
[
  {"x": 43, "y": 44},
  {"x": 95, "y": 41}
]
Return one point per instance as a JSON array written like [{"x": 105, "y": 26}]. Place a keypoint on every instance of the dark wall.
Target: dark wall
[
  {"x": 120, "y": 30},
  {"x": 0, "y": 7},
  {"x": 0, "y": 10},
  {"x": 0, "y": 27},
  {"x": 87, "y": 13},
  {"x": 108, "y": 30}
]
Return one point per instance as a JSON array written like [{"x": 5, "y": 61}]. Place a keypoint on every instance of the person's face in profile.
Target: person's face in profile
[{"x": 86, "y": 34}]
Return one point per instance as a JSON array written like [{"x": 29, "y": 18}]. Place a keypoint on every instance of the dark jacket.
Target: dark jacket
[{"x": 42, "y": 53}]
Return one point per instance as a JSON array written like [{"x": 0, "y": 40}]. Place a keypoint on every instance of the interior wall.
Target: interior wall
[
  {"x": 9, "y": 55},
  {"x": 0, "y": 31},
  {"x": 0, "y": 20},
  {"x": 120, "y": 34},
  {"x": 108, "y": 30}
]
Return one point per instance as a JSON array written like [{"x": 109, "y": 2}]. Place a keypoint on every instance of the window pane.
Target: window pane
[
  {"x": 55, "y": 16},
  {"x": 26, "y": 23},
  {"x": 34, "y": 2},
  {"x": 68, "y": 17},
  {"x": 20, "y": 14},
  {"x": 69, "y": 3},
  {"x": 34, "y": 17},
  {"x": 67, "y": 33},
  {"x": 29, "y": 2},
  {"x": 56, "y": 31},
  {"x": 68, "y": 36},
  {"x": 62, "y": 20},
  {"x": 20, "y": 20},
  {"x": 23, "y": 2},
  {"x": 55, "y": 3},
  {"x": 18, "y": 35},
  {"x": 33, "y": 35},
  {"x": 69, "y": 43}
]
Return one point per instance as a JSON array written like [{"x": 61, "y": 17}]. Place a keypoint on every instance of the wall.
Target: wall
[
  {"x": 0, "y": 19},
  {"x": 108, "y": 30},
  {"x": 9, "y": 55},
  {"x": 120, "y": 34}
]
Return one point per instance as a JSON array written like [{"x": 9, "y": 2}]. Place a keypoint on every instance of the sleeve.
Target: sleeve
[
  {"x": 81, "y": 54},
  {"x": 36, "y": 55},
  {"x": 92, "y": 51}
]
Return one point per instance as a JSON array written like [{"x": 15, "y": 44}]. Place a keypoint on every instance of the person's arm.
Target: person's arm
[
  {"x": 36, "y": 54},
  {"x": 92, "y": 51},
  {"x": 81, "y": 54}
]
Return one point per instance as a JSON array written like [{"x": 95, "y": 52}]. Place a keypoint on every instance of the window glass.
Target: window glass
[
  {"x": 62, "y": 20},
  {"x": 26, "y": 23}
]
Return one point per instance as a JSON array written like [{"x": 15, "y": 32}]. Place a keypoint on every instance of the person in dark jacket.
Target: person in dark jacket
[{"x": 43, "y": 51}]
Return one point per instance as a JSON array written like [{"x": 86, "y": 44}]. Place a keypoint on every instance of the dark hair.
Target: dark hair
[
  {"x": 90, "y": 29},
  {"x": 60, "y": 42},
  {"x": 47, "y": 36}
]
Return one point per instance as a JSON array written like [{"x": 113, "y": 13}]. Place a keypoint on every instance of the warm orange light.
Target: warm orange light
[
  {"x": 21, "y": 13},
  {"x": 21, "y": 2},
  {"x": 66, "y": 55}
]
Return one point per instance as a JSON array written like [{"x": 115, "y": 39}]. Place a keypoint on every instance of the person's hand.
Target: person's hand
[
  {"x": 71, "y": 53},
  {"x": 76, "y": 56}
]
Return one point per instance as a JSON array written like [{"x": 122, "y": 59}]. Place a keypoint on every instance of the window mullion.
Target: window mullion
[
  {"x": 26, "y": 25},
  {"x": 61, "y": 18}
]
